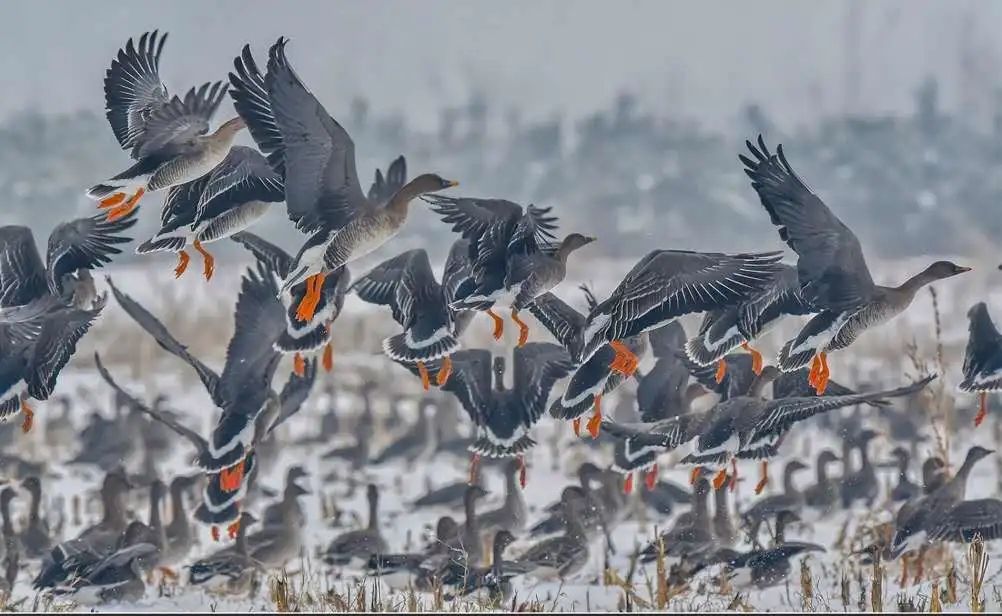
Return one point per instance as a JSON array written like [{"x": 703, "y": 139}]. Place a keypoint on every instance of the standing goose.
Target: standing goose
[
  {"x": 223, "y": 495},
  {"x": 225, "y": 201},
  {"x": 791, "y": 499},
  {"x": 418, "y": 440},
  {"x": 503, "y": 417},
  {"x": 665, "y": 285},
  {"x": 309, "y": 335},
  {"x": 564, "y": 555},
  {"x": 905, "y": 489},
  {"x": 833, "y": 274},
  {"x": 243, "y": 391},
  {"x": 725, "y": 329},
  {"x": 36, "y": 540},
  {"x": 179, "y": 533},
  {"x": 511, "y": 249},
  {"x": 116, "y": 577},
  {"x": 406, "y": 283},
  {"x": 512, "y": 515},
  {"x": 592, "y": 379},
  {"x": 691, "y": 533},
  {"x": 231, "y": 568},
  {"x": 750, "y": 427},
  {"x": 861, "y": 484},
  {"x": 45, "y": 309},
  {"x": 168, "y": 137},
  {"x": 359, "y": 546},
  {"x": 316, "y": 156},
  {"x": 823, "y": 496},
  {"x": 982, "y": 359}
]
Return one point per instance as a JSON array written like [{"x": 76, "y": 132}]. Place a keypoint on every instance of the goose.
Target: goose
[
  {"x": 397, "y": 569},
  {"x": 358, "y": 546},
  {"x": 289, "y": 505},
  {"x": 791, "y": 499},
  {"x": 905, "y": 489},
  {"x": 493, "y": 580},
  {"x": 512, "y": 515},
  {"x": 36, "y": 540},
  {"x": 431, "y": 328},
  {"x": 767, "y": 567},
  {"x": 167, "y": 136},
  {"x": 832, "y": 271},
  {"x": 116, "y": 577},
  {"x": 823, "y": 496},
  {"x": 982, "y": 359},
  {"x": 231, "y": 569},
  {"x": 725, "y": 329},
  {"x": 566, "y": 554},
  {"x": 504, "y": 417},
  {"x": 665, "y": 285},
  {"x": 691, "y": 534},
  {"x": 46, "y": 309},
  {"x": 221, "y": 499},
  {"x": 512, "y": 253},
  {"x": 179, "y": 532},
  {"x": 301, "y": 336},
  {"x": 243, "y": 391},
  {"x": 592, "y": 379},
  {"x": 317, "y": 158},
  {"x": 228, "y": 199},
  {"x": 861, "y": 484}
]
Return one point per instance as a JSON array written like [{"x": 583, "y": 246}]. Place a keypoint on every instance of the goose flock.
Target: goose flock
[{"x": 710, "y": 403}]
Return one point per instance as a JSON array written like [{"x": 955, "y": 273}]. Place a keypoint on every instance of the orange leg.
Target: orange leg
[
  {"x": 721, "y": 370},
  {"x": 694, "y": 475},
  {"x": 920, "y": 565},
  {"x": 904, "y": 570},
  {"x": 230, "y": 478},
  {"x": 308, "y": 305},
  {"x": 651, "y": 478},
  {"x": 576, "y": 424},
  {"x": 29, "y": 416},
  {"x": 982, "y": 408},
  {"x": 720, "y": 479},
  {"x": 215, "y": 533},
  {"x": 498, "y": 324},
  {"x": 425, "y": 379},
  {"x": 628, "y": 484},
  {"x": 328, "y": 357},
  {"x": 123, "y": 210},
  {"x": 182, "y": 263},
  {"x": 764, "y": 479},
  {"x": 823, "y": 376},
  {"x": 474, "y": 467},
  {"x": 595, "y": 423},
  {"x": 626, "y": 361},
  {"x": 113, "y": 200},
  {"x": 756, "y": 358},
  {"x": 523, "y": 329},
  {"x": 209, "y": 262},
  {"x": 299, "y": 364},
  {"x": 812, "y": 377},
  {"x": 444, "y": 371},
  {"x": 233, "y": 529},
  {"x": 523, "y": 475},
  {"x": 167, "y": 572},
  {"x": 734, "y": 474}
]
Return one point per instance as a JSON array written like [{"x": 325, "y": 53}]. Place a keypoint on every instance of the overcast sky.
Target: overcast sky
[{"x": 700, "y": 58}]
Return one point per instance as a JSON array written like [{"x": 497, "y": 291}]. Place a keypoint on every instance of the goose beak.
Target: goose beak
[
  {"x": 451, "y": 184},
  {"x": 961, "y": 270}
]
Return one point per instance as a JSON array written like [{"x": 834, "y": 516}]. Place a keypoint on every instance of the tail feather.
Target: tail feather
[
  {"x": 486, "y": 447},
  {"x": 162, "y": 244},
  {"x": 397, "y": 348},
  {"x": 100, "y": 191},
  {"x": 697, "y": 349},
  {"x": 796, "y": 361}
]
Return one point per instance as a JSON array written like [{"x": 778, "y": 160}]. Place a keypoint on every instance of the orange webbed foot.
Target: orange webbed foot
[
  {"x": 764, "y": 480},
  {"x": 121, "y": 211},
  {"x": 694, "y": 475},
  {"x": 444, "y": 372},
  {"x": 595, "y": 423},
  {"x": 719, "y": 479},
  {"x": 982, "y": 408},
  {"x": 299, "y": 364},
  {"x": 823, "y": 375},
  {"x": 498, "y": 324},
  {"x": 29, "y": 417},
  {"x": 328, "y": 357},
  {"x": 628, "y": 484},
  {"x": 756, "y": 362},
  {"x": 233, "y": 529},
  {"x": 651, "y": 478},
  {"x": 113, "y": 200},
  {"x": 425, "y": 378},
  {"x": 721, "y": 372},
  {"x": 576, "y": 425},
  {"x": 523, "y": 475},
  {"x": 208, "y": 261},
  {"x": 214, "y": 532},
  {"x": 523, "y": 329},
  {"x": 182, "y": 263},
  {"x": 626, "y": 361},
  {"x": 474, "y": 467}
]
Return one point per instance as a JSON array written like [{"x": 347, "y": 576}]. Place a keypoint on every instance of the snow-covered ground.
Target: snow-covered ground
[{"x": 201, "y": 314}]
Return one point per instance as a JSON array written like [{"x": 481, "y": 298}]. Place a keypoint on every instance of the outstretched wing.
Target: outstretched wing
[
  {"x": 61, "y": 330},
  {"x": 167, "y": 341},
  {"x": 179, "y": 120},
  {"x": 831, "y": 267},
  {"x": 166, "y": 419},
  {"x": 559, "y": 318},
  {"x": 321, "y": 182},
  {"x": 782, "y": 296},
  {"x": 22, "y": 273},
  {"x": 398, "y": 283},
  {"x": 383, "y": 189},
  {"x": 250, "y": 99},
  {"x": 84, "y": 243},
  {"x": 273, "y": 257},
  {"x": 294, "y": 393},
  {"x": 538, "y": 366},
  {"x": 242, "y": 177},
  {"x": 132, "y": 87},
  {"x": 470, "y": 381}
]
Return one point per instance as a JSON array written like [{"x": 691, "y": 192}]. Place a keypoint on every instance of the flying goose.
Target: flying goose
[
  {"x": 228, "y": 199},
  {"x": 316, "y": 156},
  {"x": 301, "y": 336},
  {"x": 243, "y": 390},
  {"x": 982, "y": 359},
  {"x": 665, "y": 285},
  {"x": 407, "y": 284},
  {"x": 591, "y": 379},
  {"x": 724, "y": 329},
  {"x": 168, "y": 137},
  {"x": 512, "y": 253},
  {"x": 45, "y": 309},
  {"x": 222, "y": 496},
  {"x": 833, "y": 274}
]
